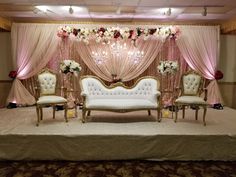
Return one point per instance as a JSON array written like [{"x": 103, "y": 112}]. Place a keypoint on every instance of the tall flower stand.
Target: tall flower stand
[
  {"x": 167, "y": 89},
  {"x": 167, "y": 69},
  {"x": 69, "y": 80}
]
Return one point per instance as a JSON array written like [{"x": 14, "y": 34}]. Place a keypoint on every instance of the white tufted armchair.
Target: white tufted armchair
[
  {"x": 46, "y": 94},
  {"x": 191, "y": 87}
]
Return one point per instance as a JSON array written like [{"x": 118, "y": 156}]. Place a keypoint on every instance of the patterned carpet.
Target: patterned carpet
[{"x": 117, "y": 169}]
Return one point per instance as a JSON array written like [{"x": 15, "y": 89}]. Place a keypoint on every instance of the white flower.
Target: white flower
[
  {"x": 70, "y": 66},
  {"x": 167, "y": 67}
]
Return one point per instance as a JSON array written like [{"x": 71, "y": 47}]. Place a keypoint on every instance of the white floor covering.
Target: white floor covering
[{"x": 111, "y": 136}]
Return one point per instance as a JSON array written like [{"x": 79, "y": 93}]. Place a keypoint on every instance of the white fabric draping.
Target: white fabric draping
[
  {"x": 33, "y": 45},
  {"x": 199, "y": 47},
  {"x": 120, "y": 64}
]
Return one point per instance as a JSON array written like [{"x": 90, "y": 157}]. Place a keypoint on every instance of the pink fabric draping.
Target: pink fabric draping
[
  {"x": 199, "y": 47},
  {"x": 120, "y": 64},
  {"x": 33, "y": 45}
]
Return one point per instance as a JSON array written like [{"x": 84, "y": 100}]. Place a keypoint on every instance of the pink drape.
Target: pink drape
[
  {"x": 199, "y": 47},
  {"x": 121, "y": 65},
  {"x": 33, "y": 45}
]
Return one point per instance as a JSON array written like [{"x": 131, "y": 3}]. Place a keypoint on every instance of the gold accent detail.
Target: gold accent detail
[{"x": 5, "y": 24}]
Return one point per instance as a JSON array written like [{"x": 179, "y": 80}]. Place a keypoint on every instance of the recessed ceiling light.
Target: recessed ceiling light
[
  {"x": 204, "y": 11},
  {"x": 75, "y": 9},
  {"x": 71, "y": 11}
]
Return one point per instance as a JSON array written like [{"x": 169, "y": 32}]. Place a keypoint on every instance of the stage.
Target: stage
[{"x": 114, "y": 136}]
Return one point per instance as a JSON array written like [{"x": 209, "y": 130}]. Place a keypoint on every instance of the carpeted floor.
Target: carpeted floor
[{"x": 117, "y": 169}]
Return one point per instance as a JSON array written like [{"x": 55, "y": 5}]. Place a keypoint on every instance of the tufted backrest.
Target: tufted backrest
[
  {"x": 191, "y": 83},
  {"x": 144, "y": 88},
  {"x": 47, "y": 83}
]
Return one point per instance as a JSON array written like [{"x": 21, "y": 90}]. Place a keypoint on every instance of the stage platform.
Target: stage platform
[{"x": 114, "y": 136}]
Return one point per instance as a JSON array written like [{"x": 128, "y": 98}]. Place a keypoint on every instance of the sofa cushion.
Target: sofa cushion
[
  {"x": 122, "y": 104},
  {"x": 190, "y": 100},
  {"x": 51, "y": 99}
]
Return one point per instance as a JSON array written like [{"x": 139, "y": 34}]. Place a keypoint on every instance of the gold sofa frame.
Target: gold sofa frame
[{"x": 85, "y": 110}]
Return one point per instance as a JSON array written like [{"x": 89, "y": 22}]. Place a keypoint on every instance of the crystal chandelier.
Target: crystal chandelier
[
  {"x": 136, "y": 55},
  {"x": 99, "y": 57},
  {"x": 117, "y": 48}
]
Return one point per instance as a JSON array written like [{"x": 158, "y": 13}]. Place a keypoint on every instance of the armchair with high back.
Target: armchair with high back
[
  {"x": 191, "y": 87},
  {"x": 46, "y": 94}
]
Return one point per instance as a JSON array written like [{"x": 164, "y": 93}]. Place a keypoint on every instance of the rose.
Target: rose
[{"x": 12, "y": 74}]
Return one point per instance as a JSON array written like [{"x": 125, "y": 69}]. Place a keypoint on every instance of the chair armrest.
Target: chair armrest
[
  {"x": 84, "y": 94},
  {"x": 157, "y": 93},
  {"x": 177, "y": 91},
  {"x": 37, "y": 92},
  {"x": 205, "y": 93}
]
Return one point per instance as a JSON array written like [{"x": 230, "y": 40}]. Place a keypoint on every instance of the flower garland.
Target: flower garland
[
  {"x": 167, "y": 67},
  {"x": 106, "y": 34}
]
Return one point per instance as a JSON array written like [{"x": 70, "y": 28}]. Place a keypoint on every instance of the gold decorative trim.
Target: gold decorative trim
[
  {"x": 120, "y": 83},
  {"x": 5, "y": 24}
]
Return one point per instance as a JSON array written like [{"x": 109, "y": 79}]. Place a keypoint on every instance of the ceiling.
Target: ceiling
[{"x": 119, "y": 10}]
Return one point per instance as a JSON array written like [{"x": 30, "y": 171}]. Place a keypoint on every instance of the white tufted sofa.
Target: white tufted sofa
[
  {"x": 191, "y": 88},
  {"x": 144, "y": 95}
]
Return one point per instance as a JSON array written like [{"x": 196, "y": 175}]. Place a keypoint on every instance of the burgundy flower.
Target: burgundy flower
[
  {"x": 218, "y": 75},
  {"x": 116, "y": 34},
  {"x": 75, "y": 31},
  {"x": 102, "y": 30},
  {"x": 152, "y": 31},
  {"x": 12, "y": 74},
  {"x": 130, "y": 33}
]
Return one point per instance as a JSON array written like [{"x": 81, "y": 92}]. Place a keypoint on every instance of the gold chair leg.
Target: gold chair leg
[
  {"x": 83, "y": 115},
  {"x": 176, "y": 113},
  {"x": 158, "y": 115},
  {"x": 204, "y": 115},
  {"x": 38, "y": 116},
  {"x": 183, "y": 111},
  {"x": 66, "y": 109},
  {"x": 89, "y": 113},
  {"x": 54, "y": 110},
  {"x": 149, "y": 112},
  {"x": 41, "y": 113},
  {"x": 196, "y": 113}
]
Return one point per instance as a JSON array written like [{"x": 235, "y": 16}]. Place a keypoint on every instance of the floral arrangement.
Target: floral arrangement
[
  {"x": 70, "y": 66},
  {"x": 64, "y": 31},
  {"x": 167, "y": 67},
  {"x": 12, "y": 74},
  {"x": 106, "y": 34}
]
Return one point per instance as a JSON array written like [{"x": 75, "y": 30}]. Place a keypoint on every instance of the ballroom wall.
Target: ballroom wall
[
  {"x": 5, "y": 66},
  {"x": 227, "y": 65}
]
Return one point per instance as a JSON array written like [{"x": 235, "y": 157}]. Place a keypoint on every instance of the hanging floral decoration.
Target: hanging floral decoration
[
  {"x": 104, "y": 35},
  {"x": 70, "y": 66}
]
